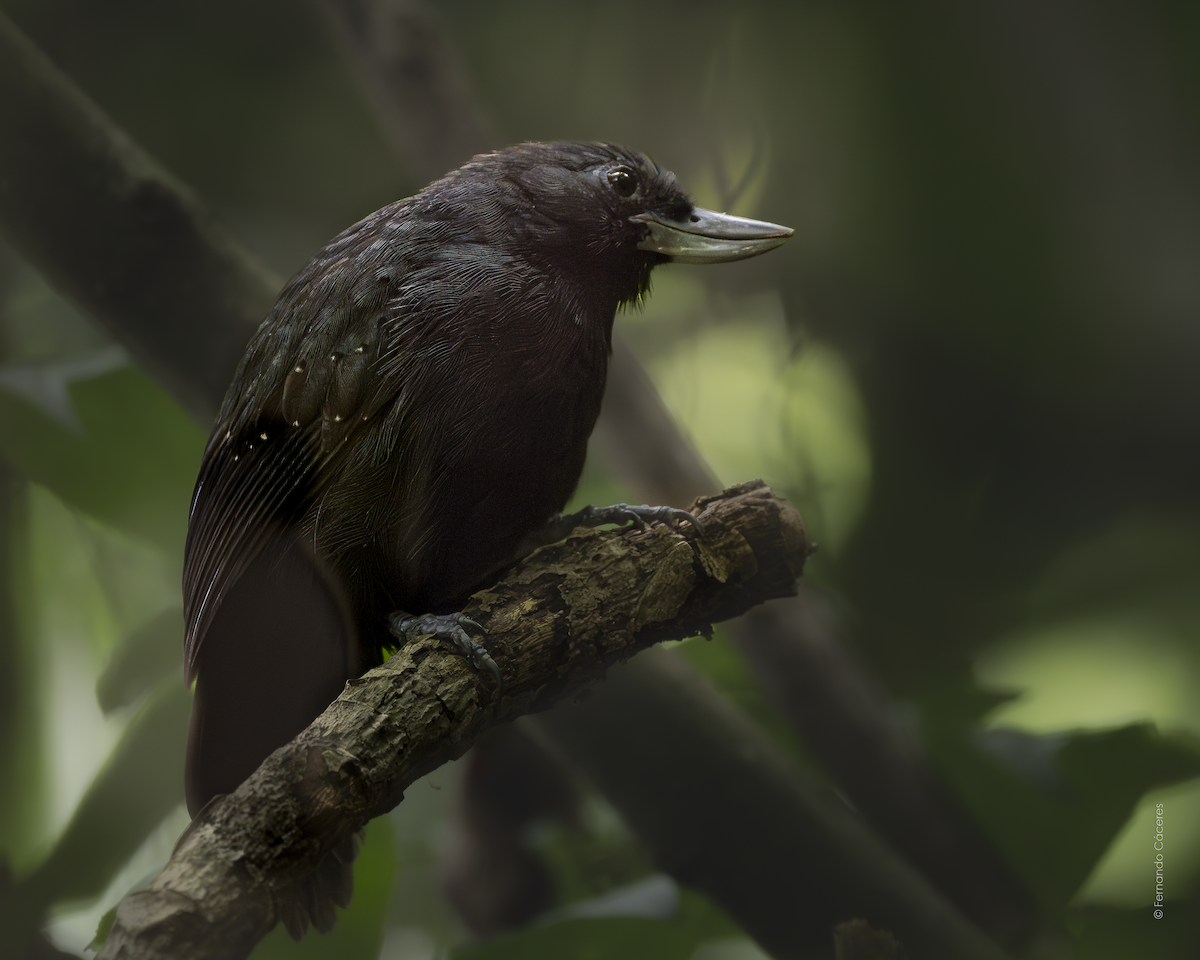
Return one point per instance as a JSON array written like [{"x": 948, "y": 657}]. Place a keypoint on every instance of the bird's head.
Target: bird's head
[{"x": 608, "y": 216}]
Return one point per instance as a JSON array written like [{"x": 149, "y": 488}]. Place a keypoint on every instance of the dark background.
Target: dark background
[{"x": 973, "y": 368}]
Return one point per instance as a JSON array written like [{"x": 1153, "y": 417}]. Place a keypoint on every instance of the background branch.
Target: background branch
[
  {"x": 415, "y": 79},
  {"x": 118, "y": 236}
]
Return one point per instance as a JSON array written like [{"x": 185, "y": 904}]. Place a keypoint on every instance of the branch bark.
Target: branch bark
[{"x": 554, "y": 624}]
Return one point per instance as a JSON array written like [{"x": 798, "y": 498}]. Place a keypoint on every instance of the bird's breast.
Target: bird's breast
[{"x": 484, "y": 442}]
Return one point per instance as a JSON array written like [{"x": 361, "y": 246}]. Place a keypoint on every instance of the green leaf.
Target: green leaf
[
  {"x": 148, "y": 656},
  {"x": 134, "y": 464},
  {"x": 1053, "y": 804},
  {"x": 103, "y": 929},
  {"x": 1111, "y": 933},
  {"x": 138, "y": 786}
]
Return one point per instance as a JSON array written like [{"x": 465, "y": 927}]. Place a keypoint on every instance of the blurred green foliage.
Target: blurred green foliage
[{"x": 973, "y": 368}]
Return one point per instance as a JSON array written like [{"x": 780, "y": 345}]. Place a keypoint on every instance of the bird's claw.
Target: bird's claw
[
  {"x": 447, "y": 627},
  {"x": 640, "y": 514}
]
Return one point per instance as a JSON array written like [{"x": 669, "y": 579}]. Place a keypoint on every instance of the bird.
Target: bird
[{"x": 415, "y": 405}]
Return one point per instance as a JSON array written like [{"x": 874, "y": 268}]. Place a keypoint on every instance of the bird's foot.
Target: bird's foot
[
  {"x": 560, "y": 527},
  {"x": 447, "y": 627},
  {"x": 622, "y": 513}
]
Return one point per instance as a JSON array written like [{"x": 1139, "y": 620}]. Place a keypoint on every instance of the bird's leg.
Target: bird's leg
[
  {"x": 447, "y": 627},
  {"x": 622, "y": 513},
  {"x": 559, "y": 527}
]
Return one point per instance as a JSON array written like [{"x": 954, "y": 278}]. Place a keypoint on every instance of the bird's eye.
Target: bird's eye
[{"x": 623, "y": 180}]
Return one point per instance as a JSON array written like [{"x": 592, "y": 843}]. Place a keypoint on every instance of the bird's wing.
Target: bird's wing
[
  {"x": 372, "y": 322},
  {"x": 305, "y": 387}
]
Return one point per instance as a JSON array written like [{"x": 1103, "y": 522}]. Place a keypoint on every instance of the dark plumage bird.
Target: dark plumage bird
[{"x": 416, "y": 403}]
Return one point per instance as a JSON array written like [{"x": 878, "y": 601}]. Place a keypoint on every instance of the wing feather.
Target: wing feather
[{"x": 281, "y": 441}]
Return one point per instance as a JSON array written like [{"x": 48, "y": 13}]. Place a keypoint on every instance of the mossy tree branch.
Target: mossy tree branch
[{"x": 554, "y": 624}]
